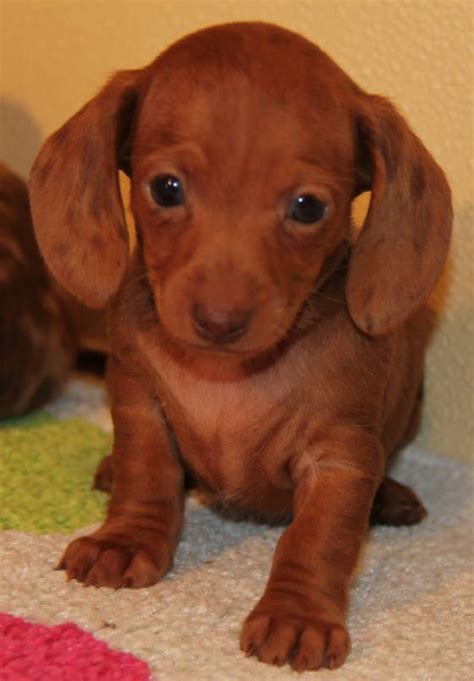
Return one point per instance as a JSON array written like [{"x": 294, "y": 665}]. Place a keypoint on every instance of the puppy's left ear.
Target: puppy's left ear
[{"x": 403, "y": 245}]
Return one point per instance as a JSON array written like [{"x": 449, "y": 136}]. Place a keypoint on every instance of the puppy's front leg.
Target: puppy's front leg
[
  {"x": 135, "y": 545},
  {"x": 301, "y": 616}
]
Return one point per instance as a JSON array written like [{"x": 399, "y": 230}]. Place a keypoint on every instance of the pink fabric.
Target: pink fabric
[{"x": 34, "y": 652}]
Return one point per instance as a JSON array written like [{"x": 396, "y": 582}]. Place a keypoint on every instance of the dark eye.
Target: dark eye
[
  {"x": 167, "y": 191},
  {"x": 307, "y": 208}
]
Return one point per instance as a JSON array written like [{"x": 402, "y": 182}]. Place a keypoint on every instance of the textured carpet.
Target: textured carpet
[{"x": 412, "y": 600}]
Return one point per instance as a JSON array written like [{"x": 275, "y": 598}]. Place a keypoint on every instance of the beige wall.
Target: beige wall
[{"x": 55, "y": 54}]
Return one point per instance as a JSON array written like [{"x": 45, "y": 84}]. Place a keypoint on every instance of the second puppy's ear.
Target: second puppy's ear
[{"x": 75, "y": 198}]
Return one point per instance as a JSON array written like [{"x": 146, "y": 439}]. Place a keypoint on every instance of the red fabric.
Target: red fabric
[{"x": 61, "y": 653}]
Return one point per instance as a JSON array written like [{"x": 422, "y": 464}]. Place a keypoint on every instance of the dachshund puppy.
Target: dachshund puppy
[
  {"x": 255, "y": 340},
  {"x": 42, "y": 327},
  {"x": 37, "y": 341}
]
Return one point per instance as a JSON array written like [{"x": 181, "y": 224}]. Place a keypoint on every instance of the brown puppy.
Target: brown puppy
[{"x": 254, "y": 340}]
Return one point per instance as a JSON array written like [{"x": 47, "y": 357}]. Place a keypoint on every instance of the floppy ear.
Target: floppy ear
[
  {"x": 75, "y": 198},
  {"x": 403, "y": 245}
]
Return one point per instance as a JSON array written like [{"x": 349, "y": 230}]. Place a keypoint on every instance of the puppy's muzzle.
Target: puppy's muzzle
[{"x": 221, "y": 326}]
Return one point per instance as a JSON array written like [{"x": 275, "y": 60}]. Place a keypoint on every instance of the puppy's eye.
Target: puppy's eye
[
  {"x": 167, "y": 191},
  {"x": 307, "y": 208}
]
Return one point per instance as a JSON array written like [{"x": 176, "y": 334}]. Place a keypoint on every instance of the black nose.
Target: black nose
[{"x": 220, "y": 326}]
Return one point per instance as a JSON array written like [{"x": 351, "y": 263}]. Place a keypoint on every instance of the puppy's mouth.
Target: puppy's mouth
[
  {"x": 219, "y": 349},
  {"x": 215, "y": 349}
]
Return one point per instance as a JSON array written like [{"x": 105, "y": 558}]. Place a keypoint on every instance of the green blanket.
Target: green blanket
[{"x": 46, "y": 469}]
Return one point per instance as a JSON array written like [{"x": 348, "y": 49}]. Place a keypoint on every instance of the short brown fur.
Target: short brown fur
[{"x": 302, "y": 411}]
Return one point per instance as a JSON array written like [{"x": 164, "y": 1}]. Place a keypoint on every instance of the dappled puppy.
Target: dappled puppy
[
  {"x": 37, "y": 341},
  {"x": 44, "y": 330},
  {"x": 255, "y": 341}
]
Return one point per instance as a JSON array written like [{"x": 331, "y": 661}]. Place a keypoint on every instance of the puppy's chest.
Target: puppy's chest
[
  {"x": 227, "y": 430},
  {"x": 215, "y": 409}
]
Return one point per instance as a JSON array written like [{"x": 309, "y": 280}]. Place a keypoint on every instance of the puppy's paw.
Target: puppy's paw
[
  {"x": 305, "y": 643},
  {"x": 114, "y": 562}
]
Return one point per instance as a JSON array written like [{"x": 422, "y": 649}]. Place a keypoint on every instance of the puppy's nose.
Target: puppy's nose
[{"x": 220, "y": 326}]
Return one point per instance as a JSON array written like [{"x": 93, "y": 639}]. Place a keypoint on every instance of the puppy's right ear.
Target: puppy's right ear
[{"x": 75, "y": 197}]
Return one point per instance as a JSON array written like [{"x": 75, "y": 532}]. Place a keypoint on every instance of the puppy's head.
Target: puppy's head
[{"x": 246, "y": 145}]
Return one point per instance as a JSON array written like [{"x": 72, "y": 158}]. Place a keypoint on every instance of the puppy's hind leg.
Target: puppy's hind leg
[
  {"x": 103, "y": 475},
  {"x": 396, "y": 504}
]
